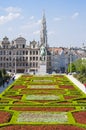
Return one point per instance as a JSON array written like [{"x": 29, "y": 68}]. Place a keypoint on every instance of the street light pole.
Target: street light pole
[
  {"x": 70, "y": 59},
  {"x": 15, "y": 62},
  {"x": 70, "y": 63}
]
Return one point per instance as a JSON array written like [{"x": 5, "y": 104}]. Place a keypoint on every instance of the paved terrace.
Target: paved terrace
[{"x": 2, "y": 88}]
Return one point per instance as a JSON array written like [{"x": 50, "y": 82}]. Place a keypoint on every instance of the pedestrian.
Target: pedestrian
[{"x": 7, "y": 81}]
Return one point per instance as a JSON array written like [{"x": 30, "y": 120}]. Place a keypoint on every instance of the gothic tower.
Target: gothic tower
[{"x": 43, "y": 34}]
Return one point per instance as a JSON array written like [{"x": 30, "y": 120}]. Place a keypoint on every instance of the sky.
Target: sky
[{"x": 66, "y": 21}]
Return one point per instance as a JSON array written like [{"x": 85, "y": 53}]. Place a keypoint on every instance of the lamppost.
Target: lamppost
[
  {"x": 15, "y": 62},
  {"x": 70, "y": 60},
  {"x": 7, "y": 59},
  {"x": 70, "y": 63}
]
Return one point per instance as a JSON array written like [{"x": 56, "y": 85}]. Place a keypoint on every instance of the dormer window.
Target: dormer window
[{"x": 33, "y": 46}]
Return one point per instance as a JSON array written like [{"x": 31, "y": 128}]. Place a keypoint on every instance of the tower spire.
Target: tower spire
[{"x": 43, "y": 33}]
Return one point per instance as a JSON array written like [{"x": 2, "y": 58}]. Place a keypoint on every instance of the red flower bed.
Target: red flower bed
[
  {"x": 16, "y": 97},
  {"x": 70, "y": 97},
  {"x": 19, "y": 102},
  {"x": 4, "y": 117},
  {"x": 18, "y": 87},
  {"x": 43, "y": 109},
  {"x": 41, "y": 127},
  {"x": 80, "y": 117},
  {"x": 67, "y": 87}
]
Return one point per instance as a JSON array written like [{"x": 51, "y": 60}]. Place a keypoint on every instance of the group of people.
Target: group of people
[{"x": 8, "y": 80}]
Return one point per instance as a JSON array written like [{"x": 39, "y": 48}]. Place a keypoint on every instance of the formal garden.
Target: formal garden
[{"x": 42, "y": 103}]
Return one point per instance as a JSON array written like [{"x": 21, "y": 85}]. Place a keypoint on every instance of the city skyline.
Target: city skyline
[{"x": 66, "y": 21}]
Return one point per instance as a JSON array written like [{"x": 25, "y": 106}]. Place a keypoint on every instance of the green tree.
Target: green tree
[
  {"x": 71, "y": 68},
  {"x": 80, "y": 66},
  {"x": 3, "y": 72},
  {"x": 0, "y": 74}
]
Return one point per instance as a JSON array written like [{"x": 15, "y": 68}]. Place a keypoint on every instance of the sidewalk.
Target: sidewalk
[
  {"x": 77, "y": 83},
  {"x": 17, "y": 76},
  {"x": 2, "y": 88}
]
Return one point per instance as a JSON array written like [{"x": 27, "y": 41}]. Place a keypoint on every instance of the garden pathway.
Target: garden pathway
[{"x": 77, "y": 83}]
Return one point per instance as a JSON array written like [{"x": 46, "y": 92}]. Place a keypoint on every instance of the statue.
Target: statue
[{"x": 43, "y": 53}]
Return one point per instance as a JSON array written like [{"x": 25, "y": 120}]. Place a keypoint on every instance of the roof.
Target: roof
[{"x": 20, "y": 38}]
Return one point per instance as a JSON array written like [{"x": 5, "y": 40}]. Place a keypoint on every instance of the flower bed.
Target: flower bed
[
  {"x": 70, "y": 97},
  {"x": 18, "y": 87},
  {"x": 42, "y": 86},
  {"x": 41, "y": 127},
  {"x": 42, "y": 97},
  {"x": 43, "y": 80},
  {"x": 15, "y": 97},
  {"x": 67, "y": 87},
  {"x": 4, "y": 117},
  {"x": 42, "y": 117},
  {"x": 80, "y": 117},
  {"x": 19, "y": 102},
  {"x": 58, "y": 109}
]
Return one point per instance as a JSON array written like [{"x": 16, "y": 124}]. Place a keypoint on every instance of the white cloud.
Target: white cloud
[
  {"x": 11, "y": 14},
  {"x": 36, "y": 32},
  {"x": 13, "y": 9},
  {"x": 38, "y": 22},
  {"x": 9, "y": 17},
  {"x": 32, "y": 17},
  {"x": 57, "y": 19},
  {"x": 75, "y": 15},
  {"x": 31, "y": 24}
]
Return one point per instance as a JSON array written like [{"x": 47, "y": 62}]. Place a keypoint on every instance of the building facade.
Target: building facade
[{"x": 18, "y": 57}]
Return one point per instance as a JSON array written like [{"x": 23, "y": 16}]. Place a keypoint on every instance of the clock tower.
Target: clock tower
[{"x": 43, "y": 33}]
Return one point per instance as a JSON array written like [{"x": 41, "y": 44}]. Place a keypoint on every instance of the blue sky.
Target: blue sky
[{"x": 66, "y": 20}]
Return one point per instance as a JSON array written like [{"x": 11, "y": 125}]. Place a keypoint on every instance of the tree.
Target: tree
[
  {"x": 3, "y": 72},
  {"x": 83, "y": 67},
  {"x": 71, "y": 68},
  {"x": 0, "y": 74},
  {"x": 80, "y": 66}
]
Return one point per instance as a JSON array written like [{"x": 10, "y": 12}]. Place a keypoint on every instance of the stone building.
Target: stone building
[{"x": 18, "y": 57}]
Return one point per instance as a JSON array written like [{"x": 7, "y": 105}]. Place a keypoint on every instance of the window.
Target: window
[
  {"x": 16, "y": 46},
  {"x": 33, "y": 58},
  {"x": 30, "y": 64},
  {"x": 36, "y": 58},
  {"x": 0, "y": 52},
  {"x": 36, "y": 64},
  {"x": 33, "y": 46},
  {"x": 9, "y": 52},
  {"x": 36, "y": 52},
  {"x": 30, "y": 52},
  {"x": 26, "y": 52},
  {"x": 23, "y": 46},
  {"x": 33, "y": 52},
  {"x": 23, "y": 52},
  {"x": 33, "y": 64}
]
